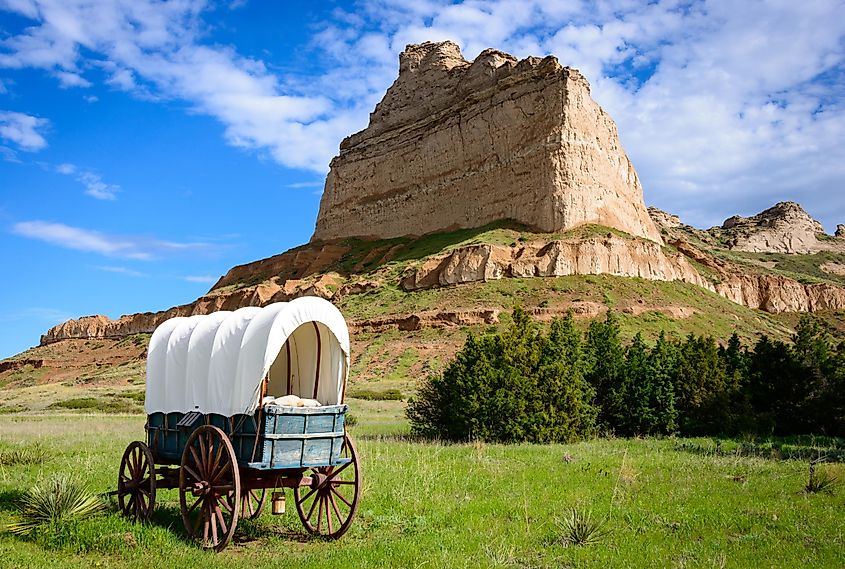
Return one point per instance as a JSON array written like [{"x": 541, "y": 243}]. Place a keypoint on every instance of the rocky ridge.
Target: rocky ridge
[
  {"x": 609, "y": 254},
  {"x": 457, "y": 144}
]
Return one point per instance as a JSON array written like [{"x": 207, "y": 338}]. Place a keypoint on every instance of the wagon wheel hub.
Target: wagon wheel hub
[{"x": 200, "y": 488}]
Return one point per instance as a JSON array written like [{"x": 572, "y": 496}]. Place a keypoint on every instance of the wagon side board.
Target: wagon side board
[{"x": 273, "y": 439}]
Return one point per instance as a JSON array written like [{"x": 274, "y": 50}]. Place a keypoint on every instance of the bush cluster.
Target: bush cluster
[{"x": 527, "y": 385}]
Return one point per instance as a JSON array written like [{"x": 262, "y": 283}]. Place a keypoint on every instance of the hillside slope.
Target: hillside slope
[{"x": 410, "y": 304}]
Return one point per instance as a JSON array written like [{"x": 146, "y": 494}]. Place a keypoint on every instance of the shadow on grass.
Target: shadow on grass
[
  {"x": 9, "y": 500},
  {"x": 168, "y": 515},
  {"x": 822, "y": 449}
]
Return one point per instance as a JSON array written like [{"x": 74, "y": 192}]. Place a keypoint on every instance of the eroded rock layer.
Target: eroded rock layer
[{"x": 457, "y": 144}]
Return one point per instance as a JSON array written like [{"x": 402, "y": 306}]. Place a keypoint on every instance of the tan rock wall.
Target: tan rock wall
[{"x": 455, "y": 144}]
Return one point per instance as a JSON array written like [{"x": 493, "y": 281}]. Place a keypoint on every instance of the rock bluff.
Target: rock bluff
[{"x": 457, "y": 144}]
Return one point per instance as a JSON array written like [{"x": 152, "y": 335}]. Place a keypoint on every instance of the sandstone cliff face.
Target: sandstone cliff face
[
  {"x": 771, "y": 293},
  {"x": 783, "y": 228},
  {"x": 458, "y": 144},
  {"x": 610, "y": 255}
]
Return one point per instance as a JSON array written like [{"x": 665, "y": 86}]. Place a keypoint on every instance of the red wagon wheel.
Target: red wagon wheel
[
  {"x": 136, "y": 482},
  {"x": 208, "y": 475},
  {"x": 327, "y": 508},
  {"x": 252, "y": 502}
]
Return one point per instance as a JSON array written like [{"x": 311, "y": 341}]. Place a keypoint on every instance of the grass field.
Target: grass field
[{"x": 667, "y": 503}]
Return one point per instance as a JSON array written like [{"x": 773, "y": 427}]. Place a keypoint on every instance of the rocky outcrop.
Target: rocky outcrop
[
  {"x": 783, "y": 228},
  {"x": 11, "y": 365},
  {"x": 611, "y": 255},
  {"x": 664, "y": 220},
  {"x": 457, "y": 144},
  {"x": 294, "y": 264},
  {"x": 840, "y": 231},
  {"x": 429, "y": 319},
  {"x": 768, "y": 292}
]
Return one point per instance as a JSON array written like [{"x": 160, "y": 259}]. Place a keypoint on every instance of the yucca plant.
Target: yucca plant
[
  {"x": 581, "y": 528},
  {"x": 820, "y": 481},
  {"x": 59, "y": 499},
  {"x": 34, "y": 454}
]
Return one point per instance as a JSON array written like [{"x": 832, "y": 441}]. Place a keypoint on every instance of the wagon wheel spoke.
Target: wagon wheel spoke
[
  {"x": 200, "y": 516},
  {"x": 339, "y": 495},
  {"x": 136, "y": 482},
  {"x": 192, "y": 472},
  {"x": 222, "y": 471},
  {"x": 332, "y": 475},
  {"x": 196, "y": 463},
  {"x": 319, "y": 513},
  {"x": 195, "y": 504},
  {"x": 209, "y": 469},
  {"x": 225, "y": 503},
  {"x": 328, "y": 514},
  {"x": 335, "y": 508},
  {"x": 308, "y": 495},
  {"x": 213, "y": 522},
  {"x": 219, "y": 514},
  {"x": 313, "y": 505},
  {"x": 325, "y": 496}
]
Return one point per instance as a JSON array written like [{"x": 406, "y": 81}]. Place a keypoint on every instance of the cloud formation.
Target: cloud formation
[
  {"x": 93, "y": 182},
  {"x": 25, "y": 131},
  {"x": 724, "y": 107},
  {"x": 154, "y": 49},
  {"x": 125, "y": 247},
  {"x": 205, "y": 279}
]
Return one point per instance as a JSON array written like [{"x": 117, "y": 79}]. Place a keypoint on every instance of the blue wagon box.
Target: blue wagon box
[
  {"x": 301, "y": 437},
  {"x": 288, "y": 437}
]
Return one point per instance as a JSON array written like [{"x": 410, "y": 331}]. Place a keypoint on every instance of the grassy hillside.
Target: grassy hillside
[
  {"x": 108, "y": 374},
  {"x": 112, "y": 371}
]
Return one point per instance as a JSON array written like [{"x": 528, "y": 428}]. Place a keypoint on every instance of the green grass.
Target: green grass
[
  {"x": 803, "y": 268},
  {"x": 375, "y": 395},
  {"x": 94, "y": 404},
  {"x": 470, "y": 505}
]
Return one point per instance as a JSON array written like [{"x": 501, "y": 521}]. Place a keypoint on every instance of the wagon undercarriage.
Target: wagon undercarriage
[{"x": 214, "y": 492}]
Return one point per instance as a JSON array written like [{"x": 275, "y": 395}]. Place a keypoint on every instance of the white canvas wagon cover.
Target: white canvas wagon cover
[{"x": 215, "y": 363}]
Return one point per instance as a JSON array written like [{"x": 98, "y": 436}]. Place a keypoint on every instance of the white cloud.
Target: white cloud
[
  {"x": 154, "y": 50},
  {"x": 23, "y": 130},
  {"x": 68, "y": 79},
  {"x": 126, "y": 247},
  {"x": 299, "y": 185},
  {"x": 205, "y": 279},
  {"x": 122, "y": 271},
  {"x": 93, "y": 182},
  {"x": 48, "y": 316},
  {"x": 96, "y": 188}
]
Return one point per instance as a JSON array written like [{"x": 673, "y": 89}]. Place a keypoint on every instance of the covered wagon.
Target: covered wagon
[{"x": 240, "y": 403}]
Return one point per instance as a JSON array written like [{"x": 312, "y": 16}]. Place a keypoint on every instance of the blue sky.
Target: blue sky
[{"x": 146, "y": 147}]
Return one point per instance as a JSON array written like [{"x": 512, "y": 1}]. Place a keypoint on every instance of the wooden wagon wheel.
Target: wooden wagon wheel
[
  {"x": 333, "y": 496},
  {"x": 252, "y": 502},
  {"x": 136, "y": 482},
  {"x": 208, "y": 474}
]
